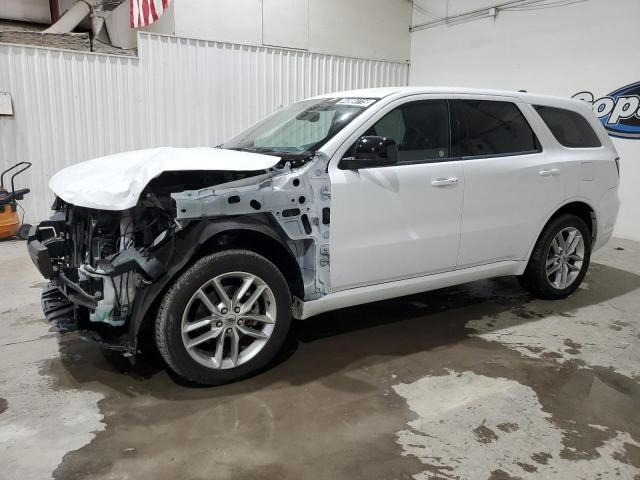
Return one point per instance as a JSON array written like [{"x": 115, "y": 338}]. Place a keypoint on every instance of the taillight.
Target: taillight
[{"x": 618, "y": 165}]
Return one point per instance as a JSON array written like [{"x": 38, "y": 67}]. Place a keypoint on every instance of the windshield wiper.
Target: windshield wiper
[
  {"x": 295, "y": 159},
  {"x": 264, "y": 151}
]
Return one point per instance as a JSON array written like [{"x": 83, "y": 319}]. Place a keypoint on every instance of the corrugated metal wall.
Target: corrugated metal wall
[{"x": 70, "y": 106}]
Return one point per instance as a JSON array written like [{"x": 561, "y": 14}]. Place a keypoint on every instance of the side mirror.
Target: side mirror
[{"x": 371, "y": 152}]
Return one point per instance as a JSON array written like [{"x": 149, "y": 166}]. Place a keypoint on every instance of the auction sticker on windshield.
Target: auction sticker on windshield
[{"x": 357, "y": 102}]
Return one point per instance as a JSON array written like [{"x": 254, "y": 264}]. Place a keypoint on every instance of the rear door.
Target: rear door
[{"x": 511, "y": 185}]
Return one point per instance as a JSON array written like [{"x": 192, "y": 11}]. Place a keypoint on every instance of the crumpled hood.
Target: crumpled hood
[{"x": 115, "y": 182}]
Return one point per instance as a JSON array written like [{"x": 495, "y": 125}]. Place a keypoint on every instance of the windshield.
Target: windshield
[{"x": 302, "y": 127}]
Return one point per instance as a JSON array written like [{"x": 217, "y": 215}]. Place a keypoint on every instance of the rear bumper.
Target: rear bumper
[{"x": 606, "y": 215}]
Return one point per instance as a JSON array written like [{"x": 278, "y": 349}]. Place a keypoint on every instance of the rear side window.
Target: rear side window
[
  {"x": 570, "y": 128},
  {"x": 488, "y": 128}
]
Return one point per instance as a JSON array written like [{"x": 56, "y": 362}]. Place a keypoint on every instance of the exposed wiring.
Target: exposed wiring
[
  {"x": 137, "y": 230},
  {"x": 123, "y": 236},
  {"x": 116, "y": 293}
]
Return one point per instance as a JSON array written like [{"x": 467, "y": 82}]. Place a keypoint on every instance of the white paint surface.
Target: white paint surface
[
  {"x": 469, "y": 425},
  {"x": 560, "y": 51},
  {"x": 115, "y": 182}
]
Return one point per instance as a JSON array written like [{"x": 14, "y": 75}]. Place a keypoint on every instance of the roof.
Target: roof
[{"x": 402, "y": 91}]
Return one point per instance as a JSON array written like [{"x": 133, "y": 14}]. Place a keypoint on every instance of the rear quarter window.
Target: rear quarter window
[
  {"x": 491, "y": 128},
  {"x": 570, "y": 128}
]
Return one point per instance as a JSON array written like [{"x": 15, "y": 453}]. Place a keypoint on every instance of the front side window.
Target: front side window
[
  {"x": 570, "y": 128},
  {"x": 420, "y": 129},
  {"x": 302, "y": 127},
  {"x": 487, "y": 128}
]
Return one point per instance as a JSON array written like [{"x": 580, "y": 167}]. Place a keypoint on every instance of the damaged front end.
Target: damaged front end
[
  {"x": 109, "y": 269},
  {"x": 126, "y": 225},
  {"x": 97, "y": 261}
]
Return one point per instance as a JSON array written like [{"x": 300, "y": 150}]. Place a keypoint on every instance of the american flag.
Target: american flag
[{"x": 145, "y": 12}]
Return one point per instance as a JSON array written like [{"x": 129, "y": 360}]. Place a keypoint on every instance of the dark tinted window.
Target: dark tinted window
[
  {"x": 421, "y": 130},
  {"x": 570, "y": 128},
  {"x": 488, "y": 128}
]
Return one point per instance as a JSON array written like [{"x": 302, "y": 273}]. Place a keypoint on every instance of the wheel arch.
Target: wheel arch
[
  {"x": 577, "y": 206},
  {"x": 255, "y": 233},
  {"x": 273, "y": 249}
]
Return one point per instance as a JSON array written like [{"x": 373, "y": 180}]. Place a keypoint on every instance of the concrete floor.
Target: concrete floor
[{"x": 473, "y": 382}]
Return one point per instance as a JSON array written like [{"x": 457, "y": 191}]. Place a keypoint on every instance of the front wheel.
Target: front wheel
[
  {"x": 224, "y": 318},
  {"x": 560, "y": 259}
]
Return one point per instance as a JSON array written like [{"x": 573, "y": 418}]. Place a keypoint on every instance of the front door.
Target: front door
[{"x": 403, "y": 221}]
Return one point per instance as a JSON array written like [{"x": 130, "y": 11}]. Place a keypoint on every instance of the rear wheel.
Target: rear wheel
[
  {"x": 560, "y": 258},
  {"x": 225, "y": 318}
]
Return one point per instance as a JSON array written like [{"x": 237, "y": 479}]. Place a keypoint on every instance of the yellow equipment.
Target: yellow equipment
[{"x": 9, "y": 221}]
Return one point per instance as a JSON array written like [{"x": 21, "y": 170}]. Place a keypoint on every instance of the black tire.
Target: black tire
[
  {"x": 168, "y": 333},
  {"x": 535, "y": 278}
]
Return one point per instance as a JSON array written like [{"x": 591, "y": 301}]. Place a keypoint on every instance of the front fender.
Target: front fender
[{"x": 179, "y": 252}]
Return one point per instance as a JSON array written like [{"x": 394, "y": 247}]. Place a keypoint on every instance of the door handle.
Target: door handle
[
  {"x": 444, "y": 182},
  {"x": 552, "y": 172}
]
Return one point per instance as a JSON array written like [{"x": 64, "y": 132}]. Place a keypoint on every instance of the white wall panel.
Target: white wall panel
[
  {"x": 361, "y": 28},
  {"x": 73, "y": 106},
  {"x": 355, "y": 28},
  {"x": 285, "y": 23}
]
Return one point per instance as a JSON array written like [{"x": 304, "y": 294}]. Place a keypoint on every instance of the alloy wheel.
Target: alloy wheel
[
  {"x": 228, "y": 320},
  {"x": 565, "y": 257}
]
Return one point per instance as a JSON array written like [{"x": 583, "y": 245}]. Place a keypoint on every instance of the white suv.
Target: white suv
[{"x": 334, "y": 201}]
